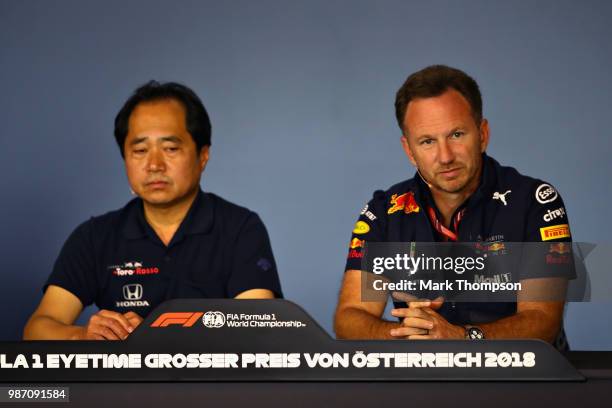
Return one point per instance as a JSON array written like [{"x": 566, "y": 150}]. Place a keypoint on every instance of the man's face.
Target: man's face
[
  {"x": 162, "y": 165},
  {"x": 442, "y": 139}
]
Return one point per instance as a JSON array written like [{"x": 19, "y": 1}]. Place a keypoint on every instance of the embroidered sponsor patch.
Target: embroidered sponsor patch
[
  {"x": 404, "y": 202},
  {"x": 356, "y": 243},
  {"x": 361, "y": 228},
  {"x": 555, "y": 232}
]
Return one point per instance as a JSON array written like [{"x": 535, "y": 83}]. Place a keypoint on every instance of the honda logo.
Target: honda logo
[{"x": 132, "y": 291}]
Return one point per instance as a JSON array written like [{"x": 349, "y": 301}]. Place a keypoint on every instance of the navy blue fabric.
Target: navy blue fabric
[
  {"x": 119, "y": 263},
  {"x": 486, "y": 220}
]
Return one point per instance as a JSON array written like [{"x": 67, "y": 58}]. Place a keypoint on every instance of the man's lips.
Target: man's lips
[
  {"x": 450, "y": 172},
  {"x": 157, "y": 184}
]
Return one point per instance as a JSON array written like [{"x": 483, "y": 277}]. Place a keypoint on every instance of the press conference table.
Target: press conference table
[
  {"x": 580, "y": 379},
  {"x": 594, "y": 392}
]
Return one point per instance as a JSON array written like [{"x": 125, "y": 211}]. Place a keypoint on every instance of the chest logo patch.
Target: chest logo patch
[
  {"x": 558, "y": 253},
  {"x": 555, "y": 232},
  {"x": 132, "y": 268},
  {"x": 545, "y": 193},
  {"x": 493, "y": 245},
  {"x": 132, "y": 291},
  {"x": 361, "y": 228},
  {"x": 132, "y": 295},
  {"x": 356, "y": 243},
  {"x": 404, "y": 202},
  {"x": 501, "y": 197}
]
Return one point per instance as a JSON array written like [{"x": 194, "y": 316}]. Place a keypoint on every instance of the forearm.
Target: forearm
[
  {"x": 47, "y": 328},
  {"x": 534, "y": 324},
  {"x": 353, "y": 323}
]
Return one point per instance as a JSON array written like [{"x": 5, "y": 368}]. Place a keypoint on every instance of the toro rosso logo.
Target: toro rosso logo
[
  {"x": 132, "y": 268},
  {"x": 404, "y": 202}
]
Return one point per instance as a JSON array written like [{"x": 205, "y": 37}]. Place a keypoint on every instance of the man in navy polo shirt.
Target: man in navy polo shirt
[
  {"x": 458, "y": 194},
  {"x": 172, "y": 241}
]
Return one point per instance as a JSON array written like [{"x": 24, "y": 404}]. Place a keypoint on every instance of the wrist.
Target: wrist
[
  {"x": 460, "y": 332},
  {"x": 79, "y": 333}
]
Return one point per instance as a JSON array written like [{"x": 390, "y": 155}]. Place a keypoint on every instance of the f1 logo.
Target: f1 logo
[
  {"x": 186, "y": 319},
  {"x": 132, "y": 291}
]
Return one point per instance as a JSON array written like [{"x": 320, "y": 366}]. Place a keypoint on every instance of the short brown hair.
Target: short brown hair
[{"x": 434, "y": 81}]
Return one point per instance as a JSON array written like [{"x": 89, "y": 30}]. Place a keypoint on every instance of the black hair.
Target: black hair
[{"x": 196, "y": 117}]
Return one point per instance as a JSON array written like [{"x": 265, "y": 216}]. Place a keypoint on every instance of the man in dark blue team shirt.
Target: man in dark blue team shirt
[
  {"x": 172, "y": 241},
  {"x": 459, "y": 194}
]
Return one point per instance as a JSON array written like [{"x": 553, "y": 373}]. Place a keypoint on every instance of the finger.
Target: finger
[
  {"x": 113, "y": 325},
  {"x": 133, "y": 318},
  {"x": 91, "y": 336},
  {"x": 431, "y": 313},
  {"x": 132, "y": 315},
  {"x": 417, "y": 312},
  {"x": 103, "y": 331},
  {"x": 418, "y": 323},
  {"x": 403, "y": 297},
  {"x": 437, "y": 303},
  {"x": 420, "y": 337},
  {"x": 127, "y": 326},
  {"x": 135, "y": 322},
  {"x": 407, "y": 331},
  {"x": 419, "y": 303},
  {"x": 123, "y": 321}
]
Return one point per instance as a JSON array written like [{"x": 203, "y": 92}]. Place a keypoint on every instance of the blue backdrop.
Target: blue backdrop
[{"x": 301, "y": 100}]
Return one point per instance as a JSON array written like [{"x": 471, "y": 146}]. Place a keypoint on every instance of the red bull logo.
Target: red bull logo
[
  {"x": 404, "y": 202},
  {"x": 496, "y": 246},
  {"x": 558, "y": 253},
  {"x": 356, "y": 243},
  {"x": 353, "y": 253},
  {"x": 560, "y": 248}
]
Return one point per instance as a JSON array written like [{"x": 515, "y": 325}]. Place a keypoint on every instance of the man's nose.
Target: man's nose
[
  {"x": 156, "y": 161},
  {"x": 445, "y": 153}
]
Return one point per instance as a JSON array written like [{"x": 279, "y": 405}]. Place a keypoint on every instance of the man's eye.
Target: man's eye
[
  {"x": 426, "y": 141},
  {"x": 140, "y": 151},
  {"x": 171, "y": 149},
  {"x": 457, "y": 134}
]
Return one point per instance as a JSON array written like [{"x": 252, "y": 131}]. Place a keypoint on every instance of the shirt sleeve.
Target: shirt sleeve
[
  {"x": 253, "y": 265},
  {"x": 370, "y": 227},
  {"x": 548, "y": 248},
  {"x": 74, "y": 269}
]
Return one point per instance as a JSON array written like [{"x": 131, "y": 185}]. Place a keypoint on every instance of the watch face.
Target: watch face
[{"x": 474, "y": 333}]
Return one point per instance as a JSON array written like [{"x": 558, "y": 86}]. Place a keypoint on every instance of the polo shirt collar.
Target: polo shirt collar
[{"x": 199, "y": 219}]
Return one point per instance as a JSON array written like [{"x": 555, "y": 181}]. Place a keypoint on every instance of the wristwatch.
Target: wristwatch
[{"x": 474, "y": 333}]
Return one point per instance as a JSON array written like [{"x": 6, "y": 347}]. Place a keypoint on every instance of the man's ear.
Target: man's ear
[
  {"x": 484, "y": 135},
  {"x": 203, "y": 157},
  {"x": 407, "y": 150}
]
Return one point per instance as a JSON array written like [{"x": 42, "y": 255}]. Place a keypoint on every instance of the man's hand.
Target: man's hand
[
  {"x": 422, "y": 322},
  {"x": 108, "y": 325},
  {"x": 133, "y": 318}
]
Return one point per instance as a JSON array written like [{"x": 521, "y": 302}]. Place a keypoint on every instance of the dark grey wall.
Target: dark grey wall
[{"x": 301, "y": 99}]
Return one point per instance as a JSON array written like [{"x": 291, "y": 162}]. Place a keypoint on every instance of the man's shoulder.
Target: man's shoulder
[
  {"x": 227, "y": 213},
  {"x": 397, "y": 189},
  {"x": 393, "y": 198},
  {"x": 226, "y": 207},
  {"x": 532, "y": 188},
  {"x": 109, "y": 222}
]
